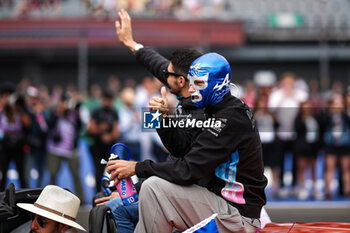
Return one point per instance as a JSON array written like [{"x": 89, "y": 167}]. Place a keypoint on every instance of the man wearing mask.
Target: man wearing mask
[{"x": 222, "y": 173}]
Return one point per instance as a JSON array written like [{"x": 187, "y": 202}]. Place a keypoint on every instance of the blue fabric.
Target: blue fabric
[
  {"x": 227, "y": 171},
  {"x": 126, "y": 217},
  {"x": 207, "y": 225},
  {"x": 214, "y": 70},
  {"x": 344, "y": 133},
  {"x": 210, "y": 227},
  {"x": 114, "y": 203}
]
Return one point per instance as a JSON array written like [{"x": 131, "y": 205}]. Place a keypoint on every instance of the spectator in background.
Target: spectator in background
[
  {"x": 190, "y": 9},
  {"x": 218, "y": 7},
  {"x": 285, "y": 102},
  {"x": 103, "y": 127},
  {"x": 13, "y": 121},
  {"x": 337, "y": 144},
  {"x": 337, "y": 87},
  {"x": 315, "y": 97},
  {"x": 45, "y": 96},
  {"x": 22, "y": 86},
  {"x": 89, "y": 104},
  {"x": 43, "y": 7},
  {"x": 250, "y": 94},
  {"x": 64, "y": 125},
  {"x": 130, "y": 82},
  {"x": 267, "y": 125},
  {"x": 94, "y": 99},
  {"x": 36, "y": 135},
  {"x": 306, "y": 146},
  {"x": 130, "y": 123},
  {"x": 265, "y": 80},
  {"x": 57, "y": 92},
  {"x": 74, "y": 97},
  {"x": 113, "y": 85}
]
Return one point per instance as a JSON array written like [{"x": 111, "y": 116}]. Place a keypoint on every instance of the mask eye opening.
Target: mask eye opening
[{"x": 199, "y": 83}]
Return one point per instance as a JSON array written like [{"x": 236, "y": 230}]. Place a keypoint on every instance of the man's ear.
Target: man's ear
[{"x": 182, "y": 81}]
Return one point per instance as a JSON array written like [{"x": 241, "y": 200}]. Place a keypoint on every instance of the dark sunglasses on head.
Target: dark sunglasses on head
[
  {"x": 167, "y": 74},
  {"x": 41, "y": 220}
]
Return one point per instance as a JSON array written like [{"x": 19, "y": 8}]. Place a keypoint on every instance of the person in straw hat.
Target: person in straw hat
[{"x": 54, "y": 211}]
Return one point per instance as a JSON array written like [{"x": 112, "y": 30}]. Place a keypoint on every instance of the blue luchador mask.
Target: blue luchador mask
[{"x": 210, "y": 76}]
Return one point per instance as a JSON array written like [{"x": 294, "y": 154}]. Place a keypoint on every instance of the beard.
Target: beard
[
  {"x": 175, "y": 92},
  {"x": 175, "y": 89}
]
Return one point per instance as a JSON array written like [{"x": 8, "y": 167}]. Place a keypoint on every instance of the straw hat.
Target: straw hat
[{"x": 56, "y": 204}]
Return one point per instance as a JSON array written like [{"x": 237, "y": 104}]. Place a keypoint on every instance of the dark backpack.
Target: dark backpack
[
  {"x": 101, "y": 220},
  {"x": 12, "y": 216}
]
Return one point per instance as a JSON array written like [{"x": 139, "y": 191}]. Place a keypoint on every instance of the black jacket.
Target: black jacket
[
  {"x": 177, "y": 141},
  {"x": 154, "y": 63},
  {"x": 236, "y": 143}
]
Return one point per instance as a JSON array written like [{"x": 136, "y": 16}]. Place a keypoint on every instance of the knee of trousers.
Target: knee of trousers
[{"x": 153, "y": 184}]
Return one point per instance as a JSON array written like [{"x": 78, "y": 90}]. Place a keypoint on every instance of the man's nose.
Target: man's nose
[
  {"x": 191, "y": 89},
  {"x": 34, "y": 226}
]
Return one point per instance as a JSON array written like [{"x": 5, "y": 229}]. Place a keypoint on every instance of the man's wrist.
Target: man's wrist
[{"x": 137, "y": 47}]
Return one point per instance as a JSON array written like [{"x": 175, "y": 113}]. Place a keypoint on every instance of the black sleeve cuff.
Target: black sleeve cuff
[{"x": 140, "y": 169}]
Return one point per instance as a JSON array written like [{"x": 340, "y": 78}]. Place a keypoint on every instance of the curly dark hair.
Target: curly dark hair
[{"x": 181, "y": 59}]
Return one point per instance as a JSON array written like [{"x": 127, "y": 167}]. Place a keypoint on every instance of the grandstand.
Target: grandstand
[{"x": 309, "y": 37}]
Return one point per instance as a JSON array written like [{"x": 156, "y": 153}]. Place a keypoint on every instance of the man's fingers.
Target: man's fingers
[
  {"x": 156, "y": 101},
  {"x": 125, "y": 14},
  {"x": 113, "y": 176},
  {"x": 163, "y": 93},
  {"x": 128, "y": 16},
  {"x": 102, "y": 199},
  {"x": 157, "y": 108},
  {"x": 125, "y": 18},
  {"x": 117, "y": 25},
  {"x": 120, "y": 15}
]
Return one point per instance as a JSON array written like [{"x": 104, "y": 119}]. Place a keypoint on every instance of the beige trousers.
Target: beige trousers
[{"x": 164, "y": 206}]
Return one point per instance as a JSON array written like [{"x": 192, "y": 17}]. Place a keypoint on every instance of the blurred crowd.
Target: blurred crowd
[
  {"x": 110, "y": 8},
  {"x": 157, "y": 8},
  {"x": 24, "y": 8},
  {"x": 296, "y": 119},
  {"x": 40, "y": 128}
]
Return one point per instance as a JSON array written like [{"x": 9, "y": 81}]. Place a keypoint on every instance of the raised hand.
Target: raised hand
[{"x": 124, "y": 30}]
